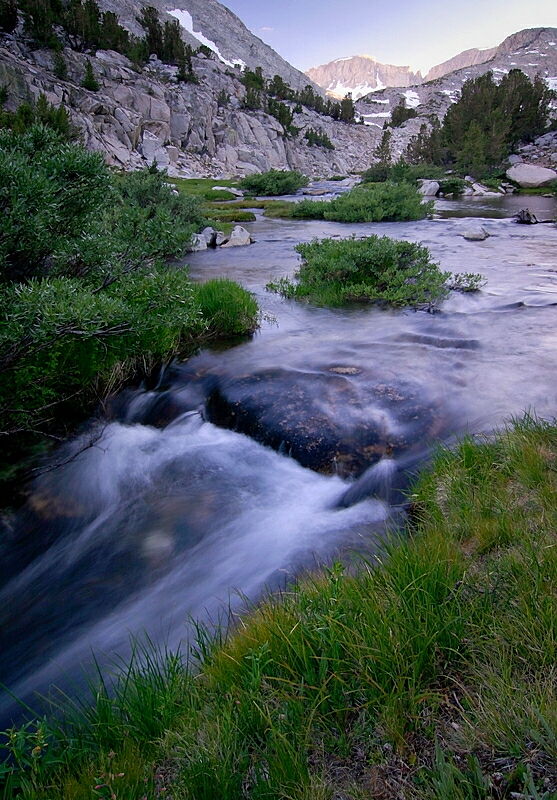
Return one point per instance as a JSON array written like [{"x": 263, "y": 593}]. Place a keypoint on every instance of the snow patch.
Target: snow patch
[
  {"x": 340, "y": 89},
  {"x": 186, "y": 21},
  {"x": 412, "y": 98},
  {"x": 552, "y": 83}
]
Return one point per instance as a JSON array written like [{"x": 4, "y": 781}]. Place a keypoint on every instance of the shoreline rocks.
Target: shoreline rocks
[{"x": 530, "y": 176}]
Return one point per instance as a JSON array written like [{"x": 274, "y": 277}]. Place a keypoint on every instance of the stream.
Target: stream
[{"x": 247, "y": 465}]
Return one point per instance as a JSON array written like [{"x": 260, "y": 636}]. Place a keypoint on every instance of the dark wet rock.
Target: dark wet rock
[
  {"x": 342, "y": 419},
  {"x": 526, "y": 217}
]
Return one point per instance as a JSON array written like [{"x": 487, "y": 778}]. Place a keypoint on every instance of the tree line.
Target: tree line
[{"x": 484, "y": 126}]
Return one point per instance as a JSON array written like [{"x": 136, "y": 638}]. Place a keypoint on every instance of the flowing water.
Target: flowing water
[{"x": 157, "y": 516}]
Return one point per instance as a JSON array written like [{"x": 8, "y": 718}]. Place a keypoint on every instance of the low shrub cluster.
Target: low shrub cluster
[
  {"x": 403, "y": 172},
  {"x": 318, "y": 138},
  {"x": 427, "y": 674},
  {"x": 42, "y": 112},
  {"x": 274, "y": 182},
  {"x": 382, "y": 202},
  {"x": 375, "y": 269}
]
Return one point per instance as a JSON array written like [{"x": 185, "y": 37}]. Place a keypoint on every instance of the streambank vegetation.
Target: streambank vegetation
[
  {"x": 87, "y": 299},
  {"x": 426, "y": 674},
  {"x": 374, "y": 269}
]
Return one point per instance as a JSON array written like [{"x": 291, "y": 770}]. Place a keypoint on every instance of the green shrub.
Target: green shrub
[
  {"x": 374, "y": 269},
  {"x": 309, "y": 209},
  {"x": 50, "y": 190},
  {"x": 85, "y": 295},
  {"x": 89, "y": 80},
  {"x": 274, "y": 182},
  {"x": 402, "y": 172},
  {"x": 41, "y": 112},
  {"x": 59, "y": 336},
  {"x": 377, "y": 173},
  {"x": 380, "y": 202},
  {"x": 227, "y": 308},
  {"x": 452, "y": 185}
]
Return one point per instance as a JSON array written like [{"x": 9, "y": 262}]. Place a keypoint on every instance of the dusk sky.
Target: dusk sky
[{"x": 419, "y": 33}]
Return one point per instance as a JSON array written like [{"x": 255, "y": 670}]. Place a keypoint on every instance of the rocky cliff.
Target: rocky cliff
[
  {"x": 360, "y": 75},
  {"x": 140, "y": 115},
  {"x": 209, "y": 22},
  {"x": 534, "y": 51},
  {"x": 467, "y": 58}
]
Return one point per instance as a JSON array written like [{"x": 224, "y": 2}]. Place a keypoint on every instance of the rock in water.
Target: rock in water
[
  {"x": 530, "y": 177},
  {"x": 475, "y": 234},
  {"x": 525, "y": 217},
  {"x": 238, "y": 238},
  {"x": 340, "y": 420},
  {"x": 198, "y": 242}
]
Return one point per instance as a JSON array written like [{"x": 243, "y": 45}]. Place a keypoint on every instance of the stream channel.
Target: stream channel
[{"x": 157, "y": 516}]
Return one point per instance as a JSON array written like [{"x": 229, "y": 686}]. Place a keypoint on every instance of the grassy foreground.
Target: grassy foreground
[{"x": 430, "y": 673}]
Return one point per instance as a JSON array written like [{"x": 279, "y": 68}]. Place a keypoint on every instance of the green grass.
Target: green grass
[
  {"x": 428, "y": 673},
  {"x": 539, "y": 190},
  {"x": 229, "y": 215},
  {"x": 228, "y": 308},
  {"x": 203, "y": 187}
]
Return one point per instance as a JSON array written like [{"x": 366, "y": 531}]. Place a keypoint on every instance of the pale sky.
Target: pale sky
[{"x": 418, "y": 33}]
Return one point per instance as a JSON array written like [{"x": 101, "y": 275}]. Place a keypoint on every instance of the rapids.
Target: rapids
[{"x": 139, "y": 528}]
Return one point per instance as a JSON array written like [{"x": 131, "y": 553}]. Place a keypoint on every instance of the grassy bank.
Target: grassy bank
[{"x": 429, "y": 674}]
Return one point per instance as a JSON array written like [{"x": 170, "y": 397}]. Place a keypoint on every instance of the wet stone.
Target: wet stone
[{"x": 340, "y": 420}]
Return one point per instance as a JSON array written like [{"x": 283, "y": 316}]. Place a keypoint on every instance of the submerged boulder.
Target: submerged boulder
[{"x": 338, "y": 420}]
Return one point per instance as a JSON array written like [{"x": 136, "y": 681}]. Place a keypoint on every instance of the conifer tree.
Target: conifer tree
[
  {"x": 89, "y": 80},
  {"x": 383, "y": 151},
  {"x": 60, "y": 68},
  {"x": 347, "y": 110}
]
